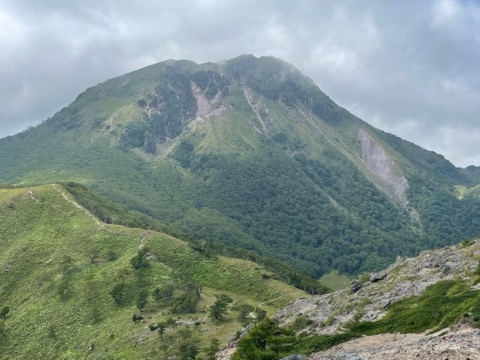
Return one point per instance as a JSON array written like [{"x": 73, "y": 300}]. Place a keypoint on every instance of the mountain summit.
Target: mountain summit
[{"x": 253, "y": 154}]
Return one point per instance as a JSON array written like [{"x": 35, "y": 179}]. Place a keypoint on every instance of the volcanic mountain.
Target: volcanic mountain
[{"x": 251, "y": 153}]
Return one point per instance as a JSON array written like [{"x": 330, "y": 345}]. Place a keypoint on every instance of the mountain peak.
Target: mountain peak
[{"x": 252, "y": 153}]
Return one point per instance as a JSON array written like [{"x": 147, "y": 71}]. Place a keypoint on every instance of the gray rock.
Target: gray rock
[
  {"x": 294, "y": 357},
  {"x": 445, "y": 269},
  {"x": 376, "y": 277},
  {"x": 355, "y": 286},
  {"x": 386, "y": 303},
  {"x": 351, "y": 356}
]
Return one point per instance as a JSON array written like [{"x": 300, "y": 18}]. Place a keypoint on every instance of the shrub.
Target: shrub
[
  {"x": 119, "y": 294},
  {"x": 111, "y": 255},
  {"x": 477, "y": 270},
  {"x": 142, "y": 299},
  {"x": 139, "y": 261},
  {"x": 136, "y": 318},
  {"x": 300, "y": 323},
  {"x": 4, "y": 312}
]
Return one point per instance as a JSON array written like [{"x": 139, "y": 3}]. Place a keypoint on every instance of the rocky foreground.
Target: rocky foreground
[
  {"x": 462, "y": 344},
  {"x": 369, "y": 298}
]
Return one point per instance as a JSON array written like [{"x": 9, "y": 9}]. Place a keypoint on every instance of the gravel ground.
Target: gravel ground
[{"x": 461, "y": 344}]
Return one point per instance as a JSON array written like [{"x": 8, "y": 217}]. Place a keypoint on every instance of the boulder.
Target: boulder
[
  {"x": 376, "y": 277},
  {"x": 355, "y": 286}
]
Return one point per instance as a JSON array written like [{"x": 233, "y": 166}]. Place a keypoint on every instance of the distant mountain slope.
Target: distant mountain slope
[
  {"x": 70, "y": 285},
  {"x": 252, "y": 153}
]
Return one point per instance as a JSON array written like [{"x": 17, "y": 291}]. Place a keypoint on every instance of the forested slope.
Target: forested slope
[{"x": 251, "y": 153}]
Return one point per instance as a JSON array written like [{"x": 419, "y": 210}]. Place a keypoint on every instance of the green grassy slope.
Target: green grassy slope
[{"x": 60, "y": 266}]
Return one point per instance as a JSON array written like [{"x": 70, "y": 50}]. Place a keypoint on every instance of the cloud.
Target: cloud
[
  {"x": 409, "y": 68},
  {"x": 444, "y": 10}
]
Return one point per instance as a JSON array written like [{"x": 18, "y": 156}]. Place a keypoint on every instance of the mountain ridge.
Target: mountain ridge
[{"x": 73, "y": 286}]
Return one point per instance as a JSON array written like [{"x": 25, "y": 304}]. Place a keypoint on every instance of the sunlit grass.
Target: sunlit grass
[{"x": 58, "y": 268}]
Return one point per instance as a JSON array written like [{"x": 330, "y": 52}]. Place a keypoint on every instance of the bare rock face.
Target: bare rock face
[
  {"x": 383, "y": 167},
  {"x": 206, "y": 107}
]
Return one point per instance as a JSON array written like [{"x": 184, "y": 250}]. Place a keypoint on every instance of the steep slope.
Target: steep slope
[
  {"x": 370, "y": 296},
  {"x": 74, "y": 287},
  {"x": 425, "y": 307},
  {"x": 251, "y": 153}
]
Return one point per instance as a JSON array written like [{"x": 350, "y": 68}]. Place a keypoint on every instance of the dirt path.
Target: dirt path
[
  {"x": 252, "y": 314},
  {"x": 100, "y": 224},
  {"x": 270, "y": 301}
]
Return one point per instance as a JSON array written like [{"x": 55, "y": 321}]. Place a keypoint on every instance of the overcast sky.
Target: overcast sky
[{"x": 411, "y": 68}]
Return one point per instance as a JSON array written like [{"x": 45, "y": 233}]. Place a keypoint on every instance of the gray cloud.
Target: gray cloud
[{"x": 406, "y": 67}]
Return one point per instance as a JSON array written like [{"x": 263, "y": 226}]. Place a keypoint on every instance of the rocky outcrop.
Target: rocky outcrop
[
  {"x": 355, "y": 286},
  {"x": 376, "y": 277},
  {"x": 458, "y": 344},
  {"x": 227, "y": 352},
  {"x": 369, "y": 297}
]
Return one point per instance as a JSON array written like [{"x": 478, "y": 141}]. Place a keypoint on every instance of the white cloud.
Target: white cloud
[
  {"x": 335, "y": 58},
  {"x": 444, "y": 10}
]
